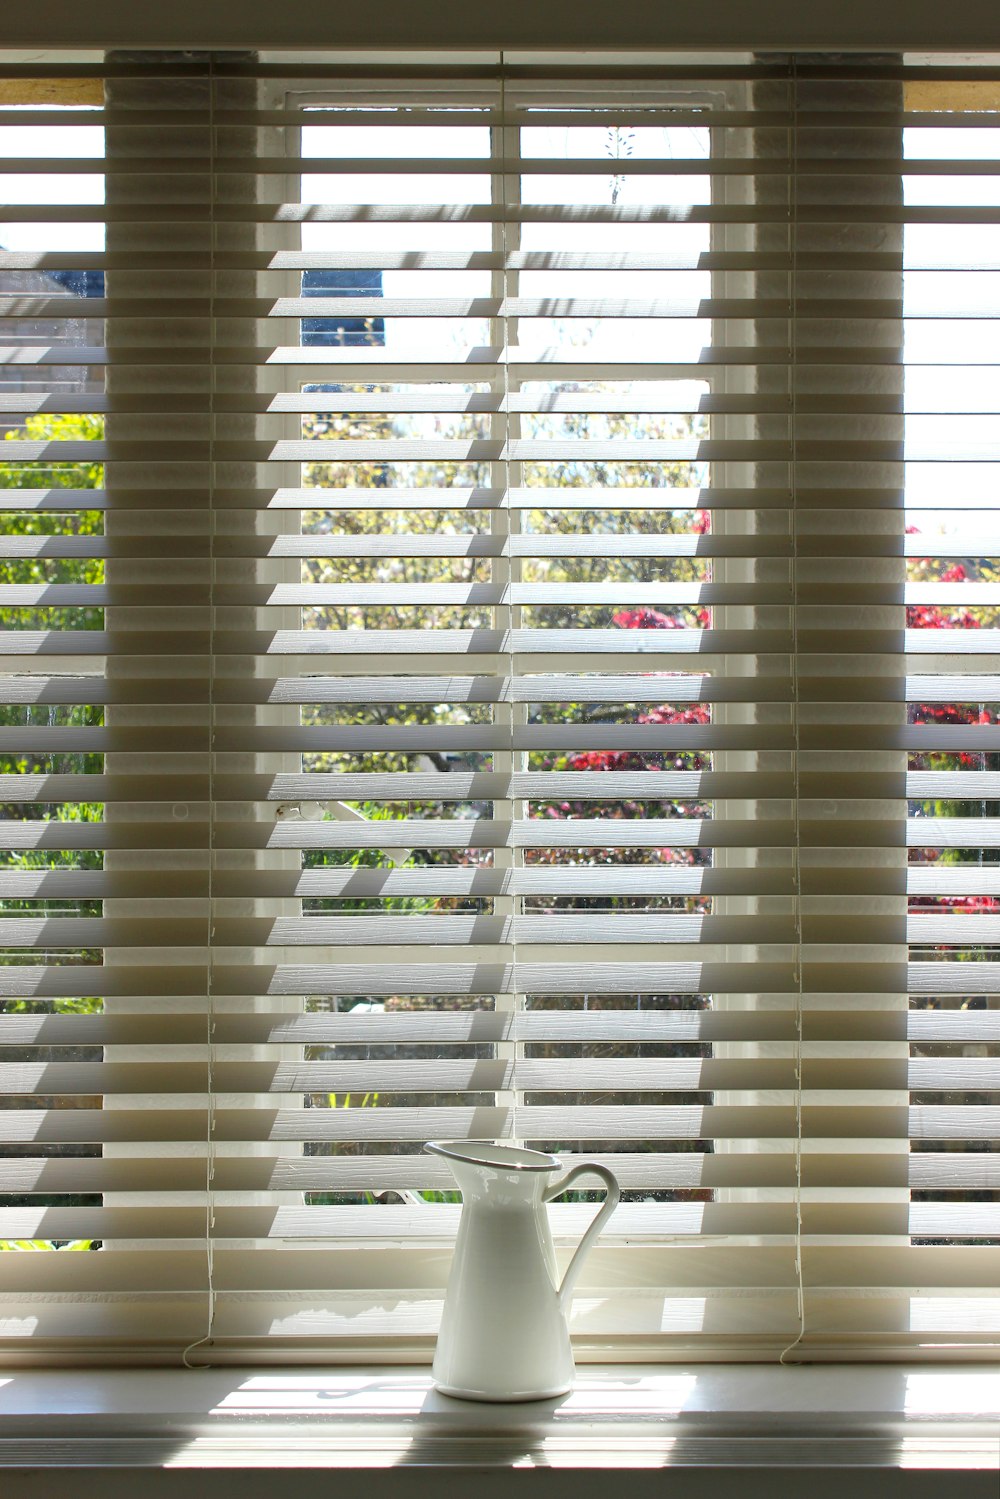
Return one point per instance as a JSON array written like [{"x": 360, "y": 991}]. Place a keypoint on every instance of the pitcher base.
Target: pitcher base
[{"x": 461, "y": 1394}]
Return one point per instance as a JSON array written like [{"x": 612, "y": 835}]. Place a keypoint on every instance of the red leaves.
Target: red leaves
[
  {"x": 697, "y": 714},
  {"x": 600, "y": 760},
  {"x": 647, "y": 619},
  {"x": 654, "y": 619},
  {"x": 932, "y": 617},
  {"x": 957, "y": 905},
  {"x": 947, "y": 713}
]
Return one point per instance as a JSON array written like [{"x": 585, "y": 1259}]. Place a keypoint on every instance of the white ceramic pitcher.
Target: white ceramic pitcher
[{"x": 504, "y": 1333}]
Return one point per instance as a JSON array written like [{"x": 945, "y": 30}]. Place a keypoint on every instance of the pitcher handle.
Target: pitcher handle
[{"x": 607, "y": 1208}]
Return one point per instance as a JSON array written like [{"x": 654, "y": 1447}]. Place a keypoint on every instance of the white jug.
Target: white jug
[{"x": 504, "y": 1333}]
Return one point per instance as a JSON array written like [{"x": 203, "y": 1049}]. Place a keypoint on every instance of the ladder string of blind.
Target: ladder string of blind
[
  {"x": 793, "y": 483},
  {"x": 207, "y": 1338}
]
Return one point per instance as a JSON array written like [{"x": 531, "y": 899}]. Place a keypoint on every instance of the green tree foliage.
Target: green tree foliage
[
  {"x": 54, "y": 474},
  {"x": 37, "y": 568}
]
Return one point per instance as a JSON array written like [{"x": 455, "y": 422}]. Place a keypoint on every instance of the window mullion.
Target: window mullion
[{"x": 506, "y": 522}]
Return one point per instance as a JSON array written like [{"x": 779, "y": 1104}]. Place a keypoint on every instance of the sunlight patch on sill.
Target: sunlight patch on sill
[{"x": 951, "y": 1392}]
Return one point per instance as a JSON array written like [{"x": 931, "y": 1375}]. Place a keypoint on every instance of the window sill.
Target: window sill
[{"x": 897, "y": 1429}]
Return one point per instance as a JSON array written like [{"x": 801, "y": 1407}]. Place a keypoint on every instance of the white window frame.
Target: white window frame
[{"x": 636, "y": 1269}]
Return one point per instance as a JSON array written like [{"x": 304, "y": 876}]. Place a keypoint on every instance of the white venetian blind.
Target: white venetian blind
[{"x": 505, "y": 547}]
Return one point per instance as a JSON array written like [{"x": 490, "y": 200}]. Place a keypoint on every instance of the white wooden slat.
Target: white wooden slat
[
  {"x": 569, "y": 654},
  {"x": 398, "y": 497},
  {"x": 650, "y": 1222},
  {"x": 438, "y": 978},
  {"x": 954, "y": 978},
  {"x": 671, "y": 258},
  {"x": 432, "y": 976},
  {"x": 400, "y": 594},
  {"x": 522, "y": 450},
  {"x": 55, "y": 834},
  {"x": 954, "y": 1025},
  {"x": 955, "y": 1172},
  {"x": 963, "y": 786},
  {"x": 494, "y": 642},
  {"x": 123, "y": 1125},
  {"x": 186, "y": 742},
  {"x": 951, "y": 832},
  {"x": 457, "y": 785},
  {"x": 447, "y": 737},
  {"x": 484, "y": 497},
  {"x": 435, "y": 1076},
  {"x": 681, "y": 164},
  {"x": 961, "y": 931},
  {"x": 667, "y": 1122},
  {"x": 946, "y": 1075},
  {"x": 73, "y": 787},
  {"x": 479, "y": 832},
  {"x": 972, "y": 1122},
  {"x": 51, "y": 932},
  {"x": 51, "y": 1175},
  {"x": 151, "y": 213},
  {"x": 949, "y": 881},
  {"x": 570, "y": 1122},
  {"x": 663, "y": 212},
  {"x": 541, "y": 450},
  {"x": 52, "y": 1080},
  {"x": 595, "y": 977},
  {"x": 413, "y": 1224},
  {"x": 665, "y": 1169},
  {"x": 603, "y": 1076},
  {"x": 967, "y": 1220},
  {"x": 464, "y": 544},
  {"x": 643, "y": 687},
  {"x": 639, "y": 1024},
  {"x": 152, "y": 883},
  {"x": 476, "y": 930},
  {"x": 596, "y": 928}
]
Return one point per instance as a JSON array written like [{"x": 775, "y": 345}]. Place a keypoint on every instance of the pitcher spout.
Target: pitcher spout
[{"x": 496, "y": 1172}]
